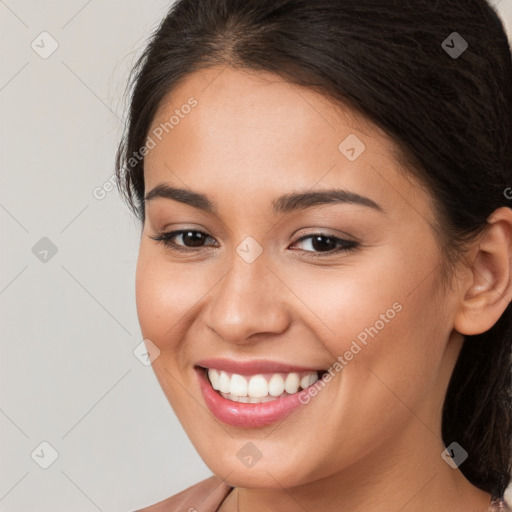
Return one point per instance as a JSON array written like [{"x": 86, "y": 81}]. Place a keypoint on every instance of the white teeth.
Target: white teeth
[
  {"x": 292, "y": 383},
  {"x": 259, "y": 388},
  {"x": 214, "y": 378},
  {"x": 238, "y": 385},
  {"x": 304, "y": 382},
  {"x": 307, "y": 380},
  {"x": 224, "y": 381},
  {"x": 250, "y": 399},
  {"x": 276, "y": 385}
]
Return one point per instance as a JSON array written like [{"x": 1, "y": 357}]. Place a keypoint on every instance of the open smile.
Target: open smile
[{"x": 256, "y": 394}]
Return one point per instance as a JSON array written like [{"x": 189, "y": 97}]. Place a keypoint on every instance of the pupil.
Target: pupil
[
  {"x": 194, "y": 237},
  {"x": 327, "y": 244}
]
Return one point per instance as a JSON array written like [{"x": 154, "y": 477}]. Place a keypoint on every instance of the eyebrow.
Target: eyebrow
[{"x": 284, "y": 204}]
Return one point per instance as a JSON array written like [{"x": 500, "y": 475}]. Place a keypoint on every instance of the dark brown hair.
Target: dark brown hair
[{"x": 450, "y": 115}]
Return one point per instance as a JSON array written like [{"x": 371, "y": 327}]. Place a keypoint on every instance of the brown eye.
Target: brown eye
[
  {"x": 185, "y": 239},
  {"x": 192, "y": 238},
  {"x": 321, "y": 243}
]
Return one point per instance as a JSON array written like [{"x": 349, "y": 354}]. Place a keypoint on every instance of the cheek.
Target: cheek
[
  {"x": 165, "y": 296},
  {"x": 388, "y": 336},
  {"x": 382, "y": 316}
]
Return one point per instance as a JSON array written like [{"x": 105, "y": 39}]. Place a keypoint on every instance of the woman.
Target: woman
[{"x": 324, "y": 273}]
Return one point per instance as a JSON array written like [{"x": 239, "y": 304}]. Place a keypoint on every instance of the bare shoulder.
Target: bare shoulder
[{"x": 205, "y": 496}]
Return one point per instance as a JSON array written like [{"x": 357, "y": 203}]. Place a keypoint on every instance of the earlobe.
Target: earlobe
[{"x": 487, "y": 290}]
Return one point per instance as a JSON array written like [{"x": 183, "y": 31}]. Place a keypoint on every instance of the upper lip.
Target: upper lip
[{"x": 252, "y": 367}]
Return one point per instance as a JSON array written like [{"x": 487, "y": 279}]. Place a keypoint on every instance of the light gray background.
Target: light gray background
[{"x": 68, "y": 374}]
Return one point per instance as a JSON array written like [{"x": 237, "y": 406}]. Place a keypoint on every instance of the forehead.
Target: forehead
[
  {"x": 258, "y": 110},
  {"x": 252, "y": 130}
]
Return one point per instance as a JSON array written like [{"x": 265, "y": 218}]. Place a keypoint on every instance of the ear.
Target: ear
[{"x": 486, "y": 286}]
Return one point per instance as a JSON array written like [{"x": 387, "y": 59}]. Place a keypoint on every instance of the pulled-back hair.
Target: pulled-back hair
[{"x": 450, "y": 115}]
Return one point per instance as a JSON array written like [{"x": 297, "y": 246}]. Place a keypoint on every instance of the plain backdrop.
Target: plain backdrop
[{"x": 74, "y": 397}]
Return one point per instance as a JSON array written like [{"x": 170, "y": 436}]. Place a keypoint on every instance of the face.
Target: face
[{"x": 296, "y": 249}]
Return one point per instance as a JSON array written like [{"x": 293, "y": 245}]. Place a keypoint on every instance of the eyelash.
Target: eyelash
[{"x": 165, "y": 238}]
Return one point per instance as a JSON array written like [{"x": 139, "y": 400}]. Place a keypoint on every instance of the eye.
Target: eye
[
  {"x": 321, "y": 244},
  {"x": 190, "y": 239}
]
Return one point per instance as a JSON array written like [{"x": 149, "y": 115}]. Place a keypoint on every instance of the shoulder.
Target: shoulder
[{"x": 205, "y": 496}]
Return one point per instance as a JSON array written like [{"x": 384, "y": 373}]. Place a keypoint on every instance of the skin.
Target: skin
[{"x": 370, "y": 440}]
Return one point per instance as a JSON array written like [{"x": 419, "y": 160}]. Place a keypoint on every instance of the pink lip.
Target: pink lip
[
  {"x": 252, "y": 367},
  {"x": 246, "y": 415}
]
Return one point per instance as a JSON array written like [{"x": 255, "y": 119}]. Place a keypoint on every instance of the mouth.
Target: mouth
[
  {"x": 259, "y": 388},
  {"x": 253, "y": 394}
]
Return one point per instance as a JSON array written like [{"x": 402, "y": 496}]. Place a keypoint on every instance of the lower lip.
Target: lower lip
[{"x": 246, "y": 415}]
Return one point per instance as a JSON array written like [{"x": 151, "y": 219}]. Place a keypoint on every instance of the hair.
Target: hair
[{"x": 450, "y": 116}]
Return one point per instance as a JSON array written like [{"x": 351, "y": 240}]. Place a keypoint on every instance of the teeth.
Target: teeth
[
  {"x": 238, "y": 386},
  {"x": 292, "y": 383},
  {"x": 307, "y": 380},
  {"x": 214, "y": 378},
  {"x": 224, "y": 382},
  {"x": 259, "y": 388},
  {"x": 250, "y": 399},
  {"x": 276, "y": 385}
]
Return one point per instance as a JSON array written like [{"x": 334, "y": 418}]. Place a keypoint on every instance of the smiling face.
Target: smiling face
[{"x": 351, "y": 276}]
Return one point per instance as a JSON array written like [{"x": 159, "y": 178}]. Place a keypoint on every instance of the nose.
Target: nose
[{"x": 248, "y": 301}]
